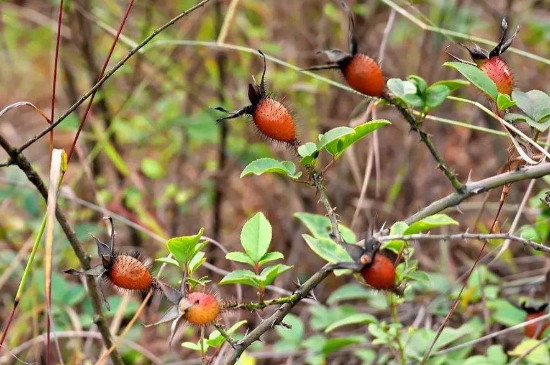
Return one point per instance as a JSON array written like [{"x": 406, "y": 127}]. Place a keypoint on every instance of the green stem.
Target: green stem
[{"x": 31, "y": 260}]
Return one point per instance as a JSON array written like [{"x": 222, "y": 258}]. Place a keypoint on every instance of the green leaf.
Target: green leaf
[
  {"x": 348, "y": 292},
  {"x": 339, "y": 145},
  {"x": 420, "y": 83},
  {"x": 246, "y": 277},
  {"x": 296, "y": 331},
  {"x": 308, "y": 152},
  {"x": 435, "y": 95},
  {"x": 539, "y": 355},
  {"x": 327, "y": 249},
  {"x": 536, "y": 105},
  {"x": 335, "y": 344},
  {"x": 397, "y": 229},
  {"x": 505, "y": 313},
  {"x": 240, "y": 257},
  {"x": 256, "y": 236},
  {"x": 169, "y": 261},
  {"x": 196, "y": 261},
  {"x": 183, "y": 247},
  {"x": 413, "y": 100},
  {"x": 436, "y": 220},
  {"x": 270, "y": 165},
  {"x": 452, "y": 85},
  {"x": 152, "y": 168},
  {"x": 476, "y": 77},
  {"x": 333, "y": 135},
  {"x": 504, "y": 101},
  {"x": 270, "y": 256},
  {"x": 399, "y": 87},
  {"x": 216, "y": 339},
  {"x": 359, "y": 318},
  {"x": 270, "y": 273},
  {"x": 192, "y": 346},
  {"x": 320, "y": 226}
]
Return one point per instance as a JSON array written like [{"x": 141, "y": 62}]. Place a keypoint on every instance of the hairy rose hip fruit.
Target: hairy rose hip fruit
[
  {"x": 124, "y": 271},
  {"x": 491, "y": 63},
  {"x": 380, "y": 274},
  {"x": 535, "y": 330},
  {"x": 200, "y": 308},
  {"x": 270, "y": 117},
  {"x": 361, "y": 72},
  {"x": 196, "y": 308},
  {"x": 376, "y": 266},
  {"x": 129, "y": 273}
]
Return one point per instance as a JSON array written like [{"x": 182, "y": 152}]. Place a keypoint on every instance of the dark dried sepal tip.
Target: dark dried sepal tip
[
  {"x": 477, "y": 53},
  {"x": 255, "y": 94},
  {"x": 338, "y": 58},
  {"x": 530, "y": 309}
]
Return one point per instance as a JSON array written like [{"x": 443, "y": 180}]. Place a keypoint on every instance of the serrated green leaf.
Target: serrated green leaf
[
  {"x": 476, "y": 77},
  {"x": 270, "y": 256},
  {"x": 338, "y": 146},
  {"x": 320, "y": 226},
  {"x": 359, "y": 318},
  {"x": 270, "y": 165},
  {"x": 240, "y": 257},
  {"x": 245, "y": 277},
  {"x": 183, "y": 248},
  {"x": 504, "y": 101},
  {"x": 435, "y": 95},
  {"x": 436, "y": 220},
  {"x": 327, "y": 249},
  {"x": 308, "y": 152},
  {"x": 333, "y": 135},
  {"x": 269, "y": 274},
  {"x": 256, "y": 236}
]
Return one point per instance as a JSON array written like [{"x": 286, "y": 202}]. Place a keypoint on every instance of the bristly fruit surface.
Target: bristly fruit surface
[
  {"x": 129, "y": 273},
  {"x": 272, "y": 119},
  {"x": 123, "y": 271},
  {"x": 204, "y": 308},
  {"x": 381, "y": 273},
  {"x": 361, "y": 72},
  {"x": 491, "y": 63}
]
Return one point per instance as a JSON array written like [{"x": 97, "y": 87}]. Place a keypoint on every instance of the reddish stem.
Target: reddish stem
[
  {"x": 8, "y": 324},
  {"x": 91, "y": 100}
]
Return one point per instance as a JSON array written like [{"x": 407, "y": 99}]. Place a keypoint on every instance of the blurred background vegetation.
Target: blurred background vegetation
[{"x": 153, "y": 157}]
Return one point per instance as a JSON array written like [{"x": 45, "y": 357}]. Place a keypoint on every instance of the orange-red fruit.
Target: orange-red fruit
[
  {"x": 364, "y": 75},
  {"x": 127, "y": 272},
  {"x": 274, "y": 120},
  {"x": 535, "y": 330},
  {"x": 204, "y": 308},
  {"x": 500, "y": 73},
  {"x": 381, "y": 274}
]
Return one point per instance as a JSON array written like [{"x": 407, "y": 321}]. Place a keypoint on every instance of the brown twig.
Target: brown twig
[
  {"x": 25, "y": 166},
  {"x": 108, "y": 75}
]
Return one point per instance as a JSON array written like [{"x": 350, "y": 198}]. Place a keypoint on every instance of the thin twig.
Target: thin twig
[
  {"x": 467, "y": 236},
  {"x": 25, "y": 166},
  {"x": 428, "y": 142},
  {"x": 108, "y": 75},
  {"x": 279, "y": 314}
]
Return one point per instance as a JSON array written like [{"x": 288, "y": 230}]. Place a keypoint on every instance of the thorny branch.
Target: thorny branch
[
  {"x": 467, "y": 236},
  {"x": 25, "y": 166},
  {"x": 428, "y": 142}
]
